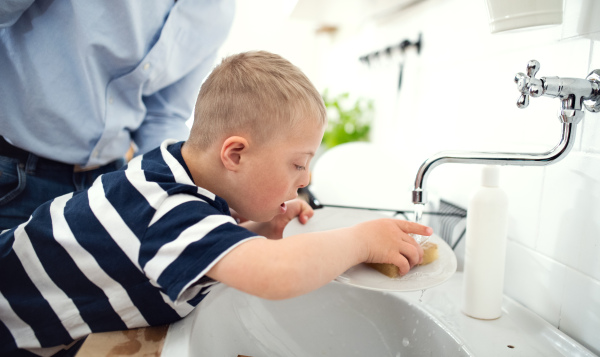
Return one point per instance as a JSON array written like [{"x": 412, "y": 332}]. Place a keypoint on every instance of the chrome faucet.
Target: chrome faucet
[{"x": 575, "y": 94}]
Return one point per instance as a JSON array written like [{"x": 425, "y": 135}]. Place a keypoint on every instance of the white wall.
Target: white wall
[
  {"x": 266, "y": 25},
  {"x": 459, "y": 94}
]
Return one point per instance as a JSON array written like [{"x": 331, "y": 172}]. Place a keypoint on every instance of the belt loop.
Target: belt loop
[{"x": 31, "y": 164}]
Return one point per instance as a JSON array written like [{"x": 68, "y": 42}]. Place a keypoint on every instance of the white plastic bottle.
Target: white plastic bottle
[{"x": 485, "y": 248}]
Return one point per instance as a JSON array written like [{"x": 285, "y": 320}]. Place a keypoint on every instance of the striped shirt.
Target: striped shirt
[{"x": 131, "y": 251}]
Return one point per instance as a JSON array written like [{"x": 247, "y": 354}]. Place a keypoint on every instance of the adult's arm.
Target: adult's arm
[
  {"x": 11, "y": 10},
  {"x": 170, "y": 108}
]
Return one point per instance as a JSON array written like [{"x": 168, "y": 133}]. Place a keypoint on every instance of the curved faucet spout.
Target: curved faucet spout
[
  {"x": 493, "y": 158},
  {"x": 572, "y": 92}
]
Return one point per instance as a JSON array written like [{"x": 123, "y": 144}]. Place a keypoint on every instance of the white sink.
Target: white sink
[
  {"x": 336, "y": 320},
  {"x": 341, "y": 320}
]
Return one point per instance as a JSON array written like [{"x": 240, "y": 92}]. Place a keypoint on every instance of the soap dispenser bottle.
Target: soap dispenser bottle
[{"x": 485, "y": 248}]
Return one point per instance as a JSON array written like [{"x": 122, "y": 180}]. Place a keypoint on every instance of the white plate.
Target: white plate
[{"x": 361, "y": 275}]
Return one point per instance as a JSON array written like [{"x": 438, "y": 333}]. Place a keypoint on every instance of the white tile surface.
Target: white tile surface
[
  {"x": 590, "y": 133},
  {"x": 523, "y": 185},
  {"x": 535, "y": 281},
  {"x": 570, "y": 224},
  {"x": 590, "y": 138},
  {"x": 580, "y": 314},
  {"x": 580, "y": 17}
]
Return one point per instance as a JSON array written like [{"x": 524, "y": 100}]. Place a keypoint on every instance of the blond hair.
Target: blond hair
[{"x": 257, "y": 93}]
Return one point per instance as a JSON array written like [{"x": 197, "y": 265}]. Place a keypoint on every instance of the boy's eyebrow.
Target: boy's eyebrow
[{"x": 309, "y": 153}]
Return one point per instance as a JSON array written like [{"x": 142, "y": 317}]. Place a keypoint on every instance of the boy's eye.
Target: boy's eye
[{"x": 300, "y": 168}]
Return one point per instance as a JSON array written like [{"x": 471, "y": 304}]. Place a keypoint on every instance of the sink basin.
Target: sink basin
[
  {"x": 335, "y": 320},
  {"x": 342, "y": 320}
]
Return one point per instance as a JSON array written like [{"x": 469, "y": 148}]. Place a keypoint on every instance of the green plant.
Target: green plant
[{"x": 346, "y": 121}]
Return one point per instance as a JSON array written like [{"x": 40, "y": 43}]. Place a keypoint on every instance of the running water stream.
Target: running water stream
[{"x": 418, "y": 218}]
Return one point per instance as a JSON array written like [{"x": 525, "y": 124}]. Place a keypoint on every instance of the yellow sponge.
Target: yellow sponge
[{"x": 430, "y": 254}]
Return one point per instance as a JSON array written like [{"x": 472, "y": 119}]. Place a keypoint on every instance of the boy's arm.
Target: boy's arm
[{"x": 280, "y": 269}]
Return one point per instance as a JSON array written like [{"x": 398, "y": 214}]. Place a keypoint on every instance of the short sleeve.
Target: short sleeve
[{"x": 181, "y": 246}]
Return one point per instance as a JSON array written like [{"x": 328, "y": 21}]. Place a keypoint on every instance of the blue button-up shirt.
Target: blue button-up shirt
[{"x": 81, "y": 80}]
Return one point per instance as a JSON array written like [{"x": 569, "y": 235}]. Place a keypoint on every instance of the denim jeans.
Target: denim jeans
[{"x": 26, "y": 184}]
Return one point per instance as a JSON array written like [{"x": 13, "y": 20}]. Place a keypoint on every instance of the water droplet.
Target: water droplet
[
  {"x": 398, "y": 354},
  {"x": 421, "y": 297},
  {"x": 405, "y": 342},
  {"x": 414, "y": 331}
]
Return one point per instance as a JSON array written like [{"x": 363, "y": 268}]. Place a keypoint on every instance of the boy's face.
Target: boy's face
[{"x": 275, "y": 170}]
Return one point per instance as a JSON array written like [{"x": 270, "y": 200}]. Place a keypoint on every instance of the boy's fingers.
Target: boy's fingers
[
  {"x": 300, "y": 209},
  {"x": 413, "y": 253},
  {"x": 415, "y": 244},
  {"x": 403, "y": 265},
  {"x": 303, "y": 218},
  {"x": 307, "y": 210},
  {"x": 414, "y": 228}
]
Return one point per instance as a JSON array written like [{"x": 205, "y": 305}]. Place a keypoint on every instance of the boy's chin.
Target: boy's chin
[{"x": 268, "y": 216}]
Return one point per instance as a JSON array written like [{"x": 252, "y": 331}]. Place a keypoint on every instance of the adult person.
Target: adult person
[{"x": 82, "y": 82}]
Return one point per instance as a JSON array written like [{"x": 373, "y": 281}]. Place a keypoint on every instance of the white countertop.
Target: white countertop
[{"x": 518, "y": 332}]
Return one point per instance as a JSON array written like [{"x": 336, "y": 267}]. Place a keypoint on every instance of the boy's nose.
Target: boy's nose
[{"x": 305, "y": 180}]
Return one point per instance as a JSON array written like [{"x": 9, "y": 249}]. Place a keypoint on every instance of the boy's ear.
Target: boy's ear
[{"x": 232, "y": 150}]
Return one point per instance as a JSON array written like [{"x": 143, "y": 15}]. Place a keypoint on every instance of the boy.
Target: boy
[{"x": 143, "y": 245}]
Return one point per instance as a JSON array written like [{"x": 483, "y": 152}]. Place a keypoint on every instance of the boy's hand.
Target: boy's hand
[
  {"x": 274, "y": 228},
  {"x": 295, "y": 208},
  {"x": 388, "y": 241}
]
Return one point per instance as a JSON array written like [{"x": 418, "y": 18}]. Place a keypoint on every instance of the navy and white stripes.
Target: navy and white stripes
[{"x": 131, "y": 251}]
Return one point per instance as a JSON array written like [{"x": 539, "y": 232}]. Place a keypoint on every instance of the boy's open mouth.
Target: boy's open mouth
[{"x": 282, "y": 208}]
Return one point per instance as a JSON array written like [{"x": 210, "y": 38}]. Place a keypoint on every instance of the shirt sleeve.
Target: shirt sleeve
[
  {"x": 184, "y": 244},
  {"x": 170, "y": 108},
  {"x": 11, "y": 10}
]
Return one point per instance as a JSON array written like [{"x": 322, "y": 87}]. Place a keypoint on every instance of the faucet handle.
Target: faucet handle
[
  {"x": 523, "y": 100},
  {"x": 533, "y": 67},
  {"x": 527, "y": 84}
]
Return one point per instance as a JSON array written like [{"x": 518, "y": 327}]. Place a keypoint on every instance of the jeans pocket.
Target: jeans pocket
[{"x": 12, "y": 179}]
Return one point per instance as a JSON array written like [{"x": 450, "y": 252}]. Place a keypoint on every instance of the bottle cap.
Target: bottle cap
[{"x": 490, "y": 176}]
